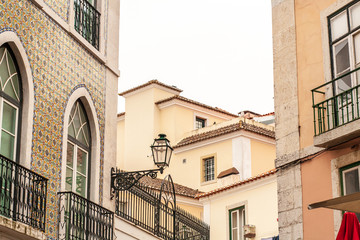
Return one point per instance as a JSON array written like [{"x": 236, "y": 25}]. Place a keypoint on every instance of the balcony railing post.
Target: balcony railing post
[
  {"x": 157, "y": 218},
  {"x": 14, "y": 193}
]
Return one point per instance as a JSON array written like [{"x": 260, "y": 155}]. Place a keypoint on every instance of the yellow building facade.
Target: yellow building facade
[{"x": 212, "y": 149}]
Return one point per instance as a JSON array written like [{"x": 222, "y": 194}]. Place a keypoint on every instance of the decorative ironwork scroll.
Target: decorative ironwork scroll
[
  {"x": 156, "y": 212},
  {"x": 165, "y": 223},
  {"x": 125, "y": 180}
]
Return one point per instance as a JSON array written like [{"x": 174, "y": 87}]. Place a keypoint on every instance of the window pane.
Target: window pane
[
  {"x": 339, "y": 25},
  {"x": 9, "y": 89},
  {"x": 8, "y": 75},
  {"x": 209, "y": 169},
  {"x": 200, "y": 123},
  {"x": 344, "y": 83},
  {"x": 357, "y": 48},
  {"x": 9, "y": 118},
  {"x": 92, "y": 2},
  {"x": 352, "y": 181},
  {"x": 81, "y": 161},
  {"x": 80, "y": 184},
  {"x": 82, "y": 137},
  {"x": 342, "y": 60},
  {"x": 234, "y": 234},
  {"x": 7, "y": 145},
  {"x": 70, "y": 155},
  {"x": 78, "y": 124},
  {"x": 68, "y": 180},
  {"x": 241, "y": 223},
  {"x": 71, "y": 131},
  {"x": 355, "y": 15},
  {"x": 4, "y": 73},
  {"x": 76, "y": 120},
  {"x": 234, "y": 216}
]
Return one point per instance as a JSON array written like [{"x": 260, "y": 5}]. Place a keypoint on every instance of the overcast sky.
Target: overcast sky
[{"x": 219, "y": 52}]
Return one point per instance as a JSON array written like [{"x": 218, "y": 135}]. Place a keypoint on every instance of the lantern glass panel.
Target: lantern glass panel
[{"x": 161, "y": 151}]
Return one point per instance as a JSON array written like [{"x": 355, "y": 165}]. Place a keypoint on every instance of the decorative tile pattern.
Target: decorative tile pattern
[
  {"x": 59, "y": 65},
  {"x": 61, "y": 7}
]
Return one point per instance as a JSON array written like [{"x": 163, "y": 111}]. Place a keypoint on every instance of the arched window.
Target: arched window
[
  {"x": 10, "y": 103},
  {"x": 78, "y": 151}
]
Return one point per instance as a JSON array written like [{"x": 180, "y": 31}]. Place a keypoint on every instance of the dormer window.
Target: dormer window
[
  {"x": 87, "y": 20},
  {"x": 200, "y": 122}
]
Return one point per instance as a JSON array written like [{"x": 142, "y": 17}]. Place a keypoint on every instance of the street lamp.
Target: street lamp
[{"x": 161, "y": 153}]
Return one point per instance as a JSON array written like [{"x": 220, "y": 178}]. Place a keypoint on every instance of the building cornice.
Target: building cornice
[
  {"x": 229, "y": 136},
  {"x": 239, "y": 187},
  {"x": 151, "y": 84},
  {"x": 194, "y": 105}
]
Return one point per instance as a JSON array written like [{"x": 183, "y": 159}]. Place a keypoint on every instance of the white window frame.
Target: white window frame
[
  {"x": 25, "y": 123},
  {"x": 343, "y": 176},
  {"x": 206, "y": 173},
  {"x": 94, "y": 148},
  {"x": 74, "y": 169},
  {"x": 240, "y": 215},
  {"x": 201, "y": 117},
  {"x": 2, "y": 100}
]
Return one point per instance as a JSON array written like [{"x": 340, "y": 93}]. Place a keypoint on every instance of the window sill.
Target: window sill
[
  {"x": 338, "y": 135},
  {"x": 208, "y": 182}
]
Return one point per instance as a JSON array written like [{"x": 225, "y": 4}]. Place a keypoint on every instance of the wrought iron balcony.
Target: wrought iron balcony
[
  {"x": 22, "y": 194},
  {"x": 80, "y": 218},
  {"x": 143, "y": 207},
  {"x": 87, "y": 21},
  {"x": 336, "y": 103}
]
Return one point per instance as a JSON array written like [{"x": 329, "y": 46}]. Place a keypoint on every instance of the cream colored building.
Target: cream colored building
[
  {"x": 212, "y": 149},
  {"x": 251, "y": 201}
]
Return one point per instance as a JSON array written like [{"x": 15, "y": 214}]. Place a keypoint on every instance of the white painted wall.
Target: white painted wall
[
  {"x": 241, "y": 151},
  {"x": 128, "y": 231}
]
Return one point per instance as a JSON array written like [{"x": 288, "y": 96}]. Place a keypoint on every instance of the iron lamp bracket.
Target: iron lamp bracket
[{"x": 121, "y": 181}]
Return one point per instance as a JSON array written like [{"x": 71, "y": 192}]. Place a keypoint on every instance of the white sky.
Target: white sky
[{"x": 219, "y": 52}]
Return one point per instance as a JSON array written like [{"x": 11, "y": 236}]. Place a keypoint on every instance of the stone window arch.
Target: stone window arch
[
  {"x": 25, "y": 121},
  {"x": 10, "y": 104},
  {"x": 78, "y": 151},
  {"x": 81, "y": 103}
]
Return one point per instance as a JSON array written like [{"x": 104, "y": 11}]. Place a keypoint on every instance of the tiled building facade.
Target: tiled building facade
[{"x": 57, "y": 68}]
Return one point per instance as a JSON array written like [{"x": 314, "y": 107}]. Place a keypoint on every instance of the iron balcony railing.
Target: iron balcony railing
[
  {"x": 335, "y": 103},
  {"x": 87, "y": 21},
  {"x": 142, "y": 206},
  {"x": 22, "y": 194},
  {"x": 80, "y": 219}
]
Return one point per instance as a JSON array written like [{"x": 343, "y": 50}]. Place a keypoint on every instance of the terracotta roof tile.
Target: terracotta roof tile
[
  {"x": 149, "y": 83},
  {"x": 179, "y": 189},
  {"x": 225, "y": 130},
  {"x": 236, "y": 184},
  {"x": 249, "y": 112},
  {"x": 196, "y": 103},
  {"x": 121, "y": 114},
  {"x": 267, "y": 114},
  {"x": 228, "y": 172}
]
